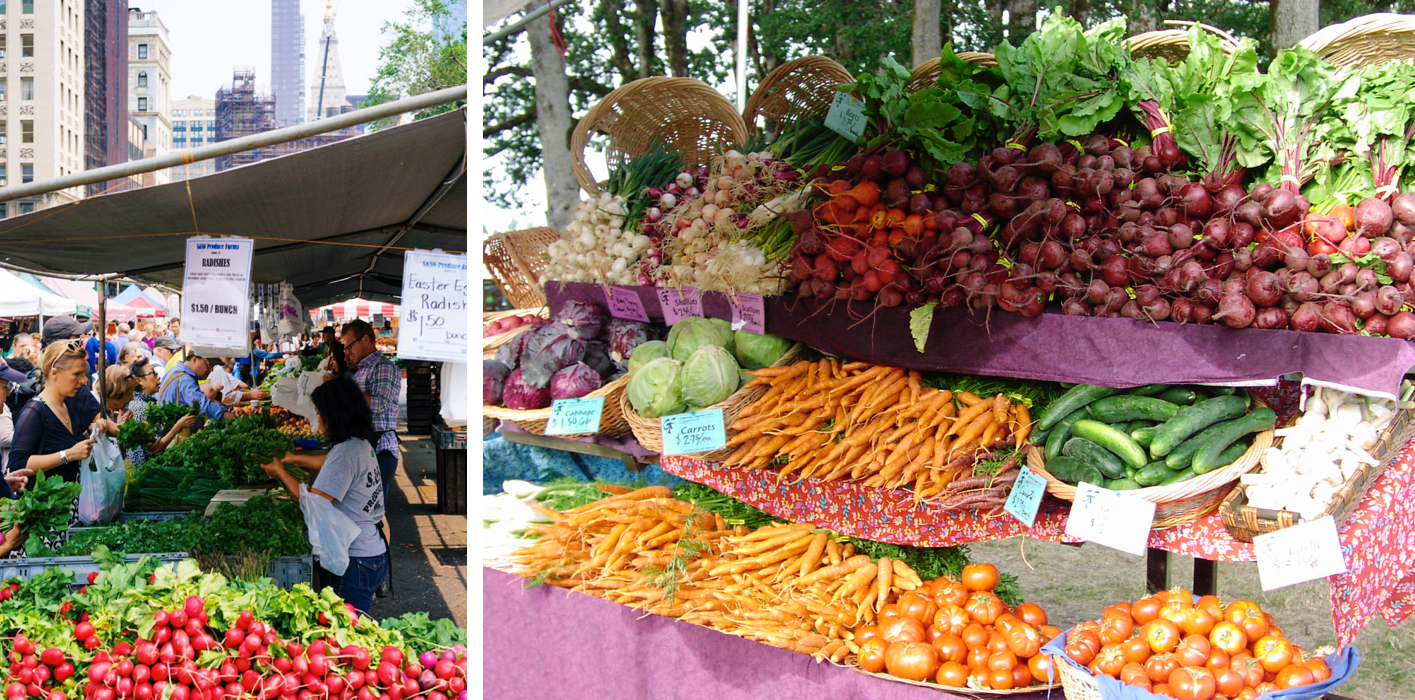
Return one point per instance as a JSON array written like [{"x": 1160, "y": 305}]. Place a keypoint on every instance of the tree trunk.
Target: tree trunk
[
  {"x": 554, "y": 122},
  {"x": 1293, "y": 21},
  {"x": 927, "y": 27},
  {"x": 994, "y": 18},
  {"x": 618, "y": 38},
  {"x": 644, "y": 18},
  {"x": 1145, "y": 16},
  {"x": 1021, "y": 20},
  {"x": 675, "y": 35}
]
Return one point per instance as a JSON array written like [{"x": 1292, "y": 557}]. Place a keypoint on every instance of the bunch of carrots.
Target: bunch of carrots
[
  {"x": 872, "y": 423},
  {"x": 786, "y": 585}
]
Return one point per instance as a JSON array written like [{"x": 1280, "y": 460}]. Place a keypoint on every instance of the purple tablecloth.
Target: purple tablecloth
[
  {"x": 1055, "y": 347},
  {"x": 546, "y": 643}
]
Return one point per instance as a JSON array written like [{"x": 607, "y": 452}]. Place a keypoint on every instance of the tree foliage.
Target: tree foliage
[{"x": 417, "y": 61}]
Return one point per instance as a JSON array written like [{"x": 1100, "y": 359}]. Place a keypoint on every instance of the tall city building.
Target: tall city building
[
  {"x": 41, "y": 98},
  {"x": 287, "y": 61},
  {"x": 106, "y": 87},
  {"x": 327, "y": 91},
  {"x": 241, "y": 111},
  {"x": 150, "y": 79},
  {"x": 193, "y": 126},
  {"x": 447, "y": 28}
]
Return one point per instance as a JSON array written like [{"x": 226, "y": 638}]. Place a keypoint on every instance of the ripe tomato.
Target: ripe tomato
[
  {"x": 1023, "y": 640},
  {"x": 984, "y": 607},
  {"x": 1041, "y": 667},
  {"x": 1249, "y": 668},
  {"x": 932, "y": 633},
  {"x": 1192, "y": 684},
  {"x": 1197, "y": 641},
  {"x": 947, "y": 592},
  {"x": 1295, "y": 676},
  {"x": 1049, "y": 632},
  {"x": 980, "y": 577},
  {"x": 865, "y": 633},
  {"x": 1318, "y": 667},
  {"x": 1110, "y": 661},
  {"x": 1161, "y": 689},
  {"x": 1218, "y": 659},
  {"x": 1198, "y": 621},
  {"x": 1021, "y": 677},
  {"x": 1229, "y": 637},
  {"x": 1082, "y": 646},
  {"x": 1000, "y": 679},
  {"x": 1267, "y": 687},
  {"x": 974, "y": 636},
  {"x": 1273, "y": 653},
  {"x": 915, "y": 661},
  {"x": 1135, "y": 649},
  {"x": 918, "y": 607},
  {"x": 1211, "y": 605},
  {"x": 1229, "y": 681},
  {"x": 1176, "y": 611},
  {"x": 1116, "y": 628},
  {"x": 1189, "y": 655},
  {"x": 1145, "y": 610},
  {"x": 1005, "y": 622},
  {"x": 1247, "y": 614},
  {"x": 1032, "y": 614},
  {"x": 1162, "y": 635},
  {"x": 1159, "y": 667},
  {"x": 978, "y": 657},
  {"x": 951, "y": 619},
  {"x": 952, "y": 674},
  {"x": 902, "y": 629},
  {"x": 1130, "y": 671},
  {"x": 1247, "y": 694},
  {"x": 1002, "y": 659},
  {"x": 996, "y": 642},
  {"x": 951, "y": 648},
  {"x": 889, "y": 612},
  {"x": 871, "y": 655}
]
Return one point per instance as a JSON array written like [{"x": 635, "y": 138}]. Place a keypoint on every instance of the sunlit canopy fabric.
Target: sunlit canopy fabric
[
  {"x": 357, "y": 308},
  {"x": 19, "y": 298},
  {"x": 132, "y": 293},
  {"x": 333, "y": 220}
]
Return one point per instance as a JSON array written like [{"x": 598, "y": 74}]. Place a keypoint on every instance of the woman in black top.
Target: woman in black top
[{"x": 51, "y": 432}]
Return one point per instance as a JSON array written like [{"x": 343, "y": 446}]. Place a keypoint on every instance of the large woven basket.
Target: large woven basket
[
  {"x": 649, "y": 431},
  {"x": 926, "y": 75},
  {"x": 1365, "y": 41},
  {"x": 611, "y": 421},
  {"x": 685, "y": 115},
  {"x": 796, "y": 89},
  {"x": 1076, "y": 684},
  {"x": 1176, "y": 504},
  {"x": 515, "y": 260},
  {"x": 1173, "y": 44},
  {"x": 1244, "y": 522}
]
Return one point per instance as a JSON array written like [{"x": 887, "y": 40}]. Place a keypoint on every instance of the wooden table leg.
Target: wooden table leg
[
  {"x": 1205, "y": 577},
  {"x": 1156, "y": 570}
]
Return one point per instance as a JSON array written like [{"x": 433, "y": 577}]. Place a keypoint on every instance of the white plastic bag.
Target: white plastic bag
[
  {"x": 455, "y": 399},
  {"x": 292, "y": 312},
  {"x": 331, "y": 532},
  {"x": 102, "y": 476}
]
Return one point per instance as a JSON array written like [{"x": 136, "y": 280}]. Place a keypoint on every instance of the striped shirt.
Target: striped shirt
[{"x": 380, "y": 379}]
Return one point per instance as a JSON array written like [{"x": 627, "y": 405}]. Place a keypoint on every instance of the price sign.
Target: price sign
[
  {"x": 575, "y": 416},
  {"x": 1026, "y": 496},
  {"x": 846, "y": 116},
  {"x": 1303, "y": 552},
  {"x": 434, "y": 312},
  {"x": 216, "y": 294},
  {"x": 749, "y": 314},
  {"x": 1111, "y": 518},
  {"x": 686, "y": 433},
  {"x": 678, "y": 304},
  {"x": 624, "y": 303}
]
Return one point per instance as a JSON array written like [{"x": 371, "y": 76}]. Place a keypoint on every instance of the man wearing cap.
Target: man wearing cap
[
  {"x": 181, "y": 386},
  {"x": 169, "y": 352}
]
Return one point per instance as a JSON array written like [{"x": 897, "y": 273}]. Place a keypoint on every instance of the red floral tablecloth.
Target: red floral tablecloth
[{"x": 1378, "y": 539}]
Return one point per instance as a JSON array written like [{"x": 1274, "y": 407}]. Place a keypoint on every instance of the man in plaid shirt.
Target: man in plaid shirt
[{"x": 381, "y": 381}]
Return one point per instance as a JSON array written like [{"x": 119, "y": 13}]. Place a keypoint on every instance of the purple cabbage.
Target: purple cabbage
[
  {"x": 493, "y": 381},
  {"x": 522, "y": 396},
  {"x": 549, "y": 350},
  {"x": 574, "y": 381},
  {"x": 582, "y": 317},
  {"x": 624, "y": 336},
  {"x": 510, "y": 353},
  {"x": 598, "y": 358}
]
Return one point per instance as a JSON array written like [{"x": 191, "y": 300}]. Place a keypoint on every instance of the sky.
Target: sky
[{"x": 209, "y": 39}]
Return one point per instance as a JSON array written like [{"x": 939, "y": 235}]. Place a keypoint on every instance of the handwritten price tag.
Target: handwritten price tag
[
  {"x": 1300, "y": 553},
  {"x": 678, "y": 304},
  {"x": 846, "y": 116},
  {"x": 1111, "y": 518},
  {"x": 1026, "y": 496},
  {"x": 624, "y": 303},
  {"x": 575, "y": 416},
  {"x": 749, "y": 314},
  {"x": 685, "y": 433}
]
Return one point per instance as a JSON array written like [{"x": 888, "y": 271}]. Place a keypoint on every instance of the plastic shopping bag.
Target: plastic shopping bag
[
  {"x": 102, "y": 476},
  {"x": 331, "y": 532},
  {"x": 292, "y": 312}
]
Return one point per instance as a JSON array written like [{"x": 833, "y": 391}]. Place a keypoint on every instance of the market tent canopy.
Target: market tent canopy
[
  {"x": 119, "y": 313},
  {"x": 146, "y": 308},
  {"x": 84, "y": 294},
  {"x": 19, "y": 298},
  {"x": 357, "y": 308},
  {"x": 132, "y": 293},
  {"x": 334, "y": 221}
]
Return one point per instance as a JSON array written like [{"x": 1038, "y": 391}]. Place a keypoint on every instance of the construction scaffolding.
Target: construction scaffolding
[{"x": 241, "y": 111}]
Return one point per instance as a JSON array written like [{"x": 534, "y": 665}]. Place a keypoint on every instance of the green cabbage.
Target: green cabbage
[
  {"x": 709, "y": 376},
  {"x": 692, "y": 333},
  {"x": 645, "y": 353},
  {"x": 757, "y": 351},
  {"x": 655, "y": 390}
]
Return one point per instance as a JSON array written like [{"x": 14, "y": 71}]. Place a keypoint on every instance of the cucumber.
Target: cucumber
[
  {"x": 1184, "y": 475},
  {"x": 1192, "y": 420},
  {"x": 1059, "y": 434},
  {"x": 1223, "y": 390},
  {"x": 1124, "y": 427},
  {"x": 1121, "y": 484},
  {"x": 1148, "y": 390},
  {"x": 1180, "y": 457},
  {"x": 1258, "y": 420},
  {"x": 1074, "y": 471},
  {"x": 1143, "y": 436},
  {"x": 1099, "y": 457},
  {"x": 1154, "y": 474},
  {"x": 1130, "y": 472},
  {"x": 1115, "y": 409},
  {"x": 1229, "y": 456},
  {"x": 1038, "y": 437},
  {"x": 1078, "y": 397},
  {"x": 1111, "y": 439},
  {"x": 1180, "y": 395}
]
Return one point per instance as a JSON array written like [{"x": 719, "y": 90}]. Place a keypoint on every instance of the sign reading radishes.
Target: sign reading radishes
[
  {"x": 433, "y": 326},
  {"x": 216, "y": 304}
]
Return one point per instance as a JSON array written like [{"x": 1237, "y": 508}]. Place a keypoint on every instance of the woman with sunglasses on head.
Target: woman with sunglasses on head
[{"x": 144, "y": 395}]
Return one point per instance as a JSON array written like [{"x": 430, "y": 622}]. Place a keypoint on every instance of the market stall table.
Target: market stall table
[{"x": 626, "y": 448}]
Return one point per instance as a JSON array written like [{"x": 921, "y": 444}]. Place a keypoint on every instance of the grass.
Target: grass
[{"x": 1076, "y": 583}]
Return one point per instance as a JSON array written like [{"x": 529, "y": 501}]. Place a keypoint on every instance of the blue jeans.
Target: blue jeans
[
  {"x": 360, "y": 580},
  {"x": 387, "y": 470}
]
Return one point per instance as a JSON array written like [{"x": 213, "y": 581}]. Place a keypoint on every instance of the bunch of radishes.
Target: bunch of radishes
[
  {"x": 596, "y": 246},
  {"x": 506, "y": 325}
]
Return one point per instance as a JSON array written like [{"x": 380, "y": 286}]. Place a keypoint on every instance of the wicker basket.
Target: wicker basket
[
  {"x": 1173, "y": 44},
  {"x": 686, "y": 115},
  {"x": 1076, "y": 684},
  {"x": 1245, "y": 522},
  {"x": 515, "y": 260},
  {"x": 489, "y": 345},
  {"x": 796, "y": 89},
  {"x": 649, "y": 431},
  {"x": 611, "y": 421},
  {"x": 926, "y": 75},
  {"x": 1176, "y": 504},
  {"x": 1365, "y": 41}
]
